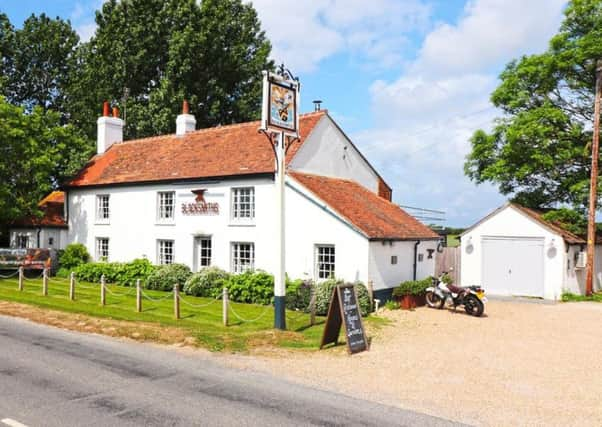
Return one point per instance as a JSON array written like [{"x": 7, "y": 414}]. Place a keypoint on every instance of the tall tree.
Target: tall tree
[
  {"x": 539, "y": 150},
  {"x": 43, "y": 64},
  {"x": 7, "y": 35},
  {"x": 211, "y": 54},
  {"x": 37, "y": 153}
]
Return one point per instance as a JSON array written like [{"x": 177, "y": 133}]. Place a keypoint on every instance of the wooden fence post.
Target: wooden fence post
[
  {"x": 102, "y": 290},
  {"x": 72, "y": 286},
  {"x": 45, "y": 282},
  {"x": 21, "y": 278},
  {"x": 312, "y": 305},
  {"x": 225, "y": 306},
  {"x": 138, "y": 297},
  {"x": 176, "y": 301}
]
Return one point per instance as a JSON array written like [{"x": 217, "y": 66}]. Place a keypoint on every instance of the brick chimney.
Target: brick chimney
[
  {"x": 110, "y": 129},
  {"x": 185, "y": 122}
]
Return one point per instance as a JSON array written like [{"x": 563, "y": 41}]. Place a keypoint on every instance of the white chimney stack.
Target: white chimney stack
[
  {"x": 185, "y": 122},
  {"x": 110, "y": 129}
]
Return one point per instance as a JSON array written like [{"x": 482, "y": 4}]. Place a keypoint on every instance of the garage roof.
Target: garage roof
[{"x": 537, "y": 216}]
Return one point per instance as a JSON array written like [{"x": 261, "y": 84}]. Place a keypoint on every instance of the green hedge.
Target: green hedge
[
  {"x": 324, "y": 292},
  {"x": 166, "y": 276},
  {"x": 208, "y": 282},
  {"x": 125, "y": 274},
  {"x": 413, "y": 287}
]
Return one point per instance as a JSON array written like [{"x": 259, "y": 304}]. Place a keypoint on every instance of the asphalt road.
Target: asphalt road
[{"x": 50, "y": 377}]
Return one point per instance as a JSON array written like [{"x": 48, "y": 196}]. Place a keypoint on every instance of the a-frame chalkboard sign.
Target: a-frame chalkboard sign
[{"x": 344, "y": 309}]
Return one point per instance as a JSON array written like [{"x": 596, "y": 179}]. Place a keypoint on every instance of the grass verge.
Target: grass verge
[
  {"x": 568, "y": 297},
  {"x": 200, "y": 323}
]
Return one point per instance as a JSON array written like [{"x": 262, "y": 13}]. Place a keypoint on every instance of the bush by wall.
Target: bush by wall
[
  {"x": 256, "y": 287},
  {"x": 412, "y": 287},
  {"x": 208, "y": 282},
  {"x": 324, "y": 292},
  {"x": 73, "y": 255},
  {"x": 166, "y": 276},
  {"x": 125, "y": 274},
  {"x": 298, "y": 294}
]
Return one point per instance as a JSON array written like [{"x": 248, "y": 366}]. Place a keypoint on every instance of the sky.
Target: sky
[{"x": 408, "y": 81}]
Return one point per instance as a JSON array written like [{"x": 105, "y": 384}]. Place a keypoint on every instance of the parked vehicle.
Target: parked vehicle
[{"x": 472, "y": 298}]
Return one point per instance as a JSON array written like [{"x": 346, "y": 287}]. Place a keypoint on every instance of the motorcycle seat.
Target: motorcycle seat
[{"x": 455, "y": 289}]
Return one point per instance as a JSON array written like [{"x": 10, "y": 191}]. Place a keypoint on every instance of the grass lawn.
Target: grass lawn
[
  {"x": 204, "y": 324},
  {"x": 453, "y": 241}
]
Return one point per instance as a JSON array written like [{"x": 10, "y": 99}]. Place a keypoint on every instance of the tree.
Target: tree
[
  {"x": 539, "y": 151},
  {"x": 42, "y": 64},
  {"x": 7, "y": 34},
  {"x": 212, "y": 54},
  {"x": 37, "y": 153}
]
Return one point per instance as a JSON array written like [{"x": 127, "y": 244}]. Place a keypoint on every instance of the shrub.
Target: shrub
[
  {"x": 255, "y": 287},
  {"x": 412, "y": 287},
  {"x": 73, "y": 255},
  {"x": 298, "y": 294},
  {"x": 115, "y": 272},
  {"x": 324, "y": 292},
  {"x": 166, "y": 276},
  {"x": 208, "y": 282},
  {"x": 391, "y": 305}
]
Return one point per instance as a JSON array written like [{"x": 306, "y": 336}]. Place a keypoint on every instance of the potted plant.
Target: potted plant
[{"x": 410, "y": 294}]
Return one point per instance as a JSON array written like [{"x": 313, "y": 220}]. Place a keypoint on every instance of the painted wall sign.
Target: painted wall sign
[{"x": 200, "y": 208}]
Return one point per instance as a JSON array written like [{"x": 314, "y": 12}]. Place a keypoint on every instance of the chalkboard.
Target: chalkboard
[{"x": 344, "y": 310}]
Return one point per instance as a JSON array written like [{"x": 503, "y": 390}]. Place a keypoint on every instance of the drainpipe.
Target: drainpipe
[
  {"x": 39, "y": 231},
  {"x": 416, "y": 257}
]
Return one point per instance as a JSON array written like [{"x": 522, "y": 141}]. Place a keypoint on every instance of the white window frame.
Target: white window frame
[
  {"x": 236, "y": 250},
  {"x": 26, "y": 238},
  {"x": 163, "y": 208},
  {"x": 101, "y": 210},
  {"x": 237, "y": 214},
  {"x": 161, "y": 251},
  {"x": 100, "y": 250},
  {"x": 320, "y": 251},
  {"x": 205, "y": 254}
]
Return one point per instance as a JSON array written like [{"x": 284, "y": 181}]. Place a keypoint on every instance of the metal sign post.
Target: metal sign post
[{"x": 280, "y": 123}]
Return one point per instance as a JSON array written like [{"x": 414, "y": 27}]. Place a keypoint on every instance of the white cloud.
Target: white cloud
[
  {"x": 86, "y": 31},
  {"x": 312, "y": 30},
  {"x": 424, "y": 118}
]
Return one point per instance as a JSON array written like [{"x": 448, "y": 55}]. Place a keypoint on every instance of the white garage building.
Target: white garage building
[{"x": 514, "y": 251}]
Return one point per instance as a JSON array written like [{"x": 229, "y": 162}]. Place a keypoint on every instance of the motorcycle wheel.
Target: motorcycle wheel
[
  {"x": 433, "y": 300},
  {"x": 473, "y": 306}
]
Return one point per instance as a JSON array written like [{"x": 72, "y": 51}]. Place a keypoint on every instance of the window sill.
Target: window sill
[
  {"x": 165, "y": 223},
  {"x": 242, "y": 224},
  {"x": 102, "y": 223}
]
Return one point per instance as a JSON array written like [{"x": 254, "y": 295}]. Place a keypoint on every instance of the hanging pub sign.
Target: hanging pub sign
[
  {"x": 280, "y": 108},
  {"x": 344, "y": 310}
]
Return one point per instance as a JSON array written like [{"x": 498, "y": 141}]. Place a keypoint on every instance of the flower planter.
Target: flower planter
[{"x": 409, "y": 302}]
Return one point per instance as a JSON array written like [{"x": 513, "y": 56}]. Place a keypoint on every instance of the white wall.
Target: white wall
[
  {"x": 59, "y": 236},
  {"x": 511, "y": 223},
  {"x": 384, "y": 275},
  {"x": 328, "y": 152},
  {"x": 133, "y": 229}
]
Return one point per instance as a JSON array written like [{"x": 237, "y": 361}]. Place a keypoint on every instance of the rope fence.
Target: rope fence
[{"x": 73, "y": 283}]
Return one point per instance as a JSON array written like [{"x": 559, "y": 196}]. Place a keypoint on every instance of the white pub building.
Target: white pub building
[{"x": 207, "y": 197}]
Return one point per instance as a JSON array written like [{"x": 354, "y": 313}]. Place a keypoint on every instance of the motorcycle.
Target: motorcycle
[{"x": 472, "y": 297}]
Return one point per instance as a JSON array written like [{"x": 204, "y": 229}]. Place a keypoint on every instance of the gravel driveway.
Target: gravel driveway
[{"x": 522, "y": 364}]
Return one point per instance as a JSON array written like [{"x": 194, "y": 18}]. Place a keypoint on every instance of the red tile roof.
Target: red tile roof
[
  {"x": 220, "y": 151},
  {"x": 52, "y": 209},
  {"x": 54, "y": 197},
  {"x": 375, "y": 216}
]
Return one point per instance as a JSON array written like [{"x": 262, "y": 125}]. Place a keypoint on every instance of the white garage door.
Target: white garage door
[{"x": 513, "y": 266}]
